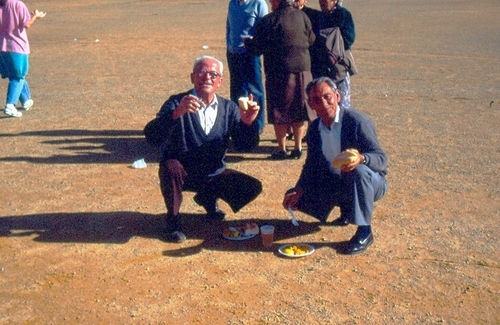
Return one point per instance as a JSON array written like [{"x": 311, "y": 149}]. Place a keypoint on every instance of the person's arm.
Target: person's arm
[
  {"x": 162, "y": 126},
  {"x": 292, "y": 197},
  {"x": 309, "y": 28},
  {"x": 188, "y": 104},
  {"x": 256, "y": 44},
  {"x": 372, "y": 153},
  {"x": 245, "y": 136},
  {"x": 347, "y": 30},
  {"x": 227, "y": 23},
  {"x": 34, "y": 16}
]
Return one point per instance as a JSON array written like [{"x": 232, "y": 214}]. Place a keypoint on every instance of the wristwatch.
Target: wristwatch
[{"x": 365, "y": 162}]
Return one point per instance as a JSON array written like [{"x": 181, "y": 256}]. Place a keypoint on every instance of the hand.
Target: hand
[
  {"x": 38, "y": 14},
  {"x": 176, "y": 170},
  {"x": 188, "y": 104},
  {"x": 247, "y": 40},
  {"x": 350, "y": 167},
  {"x": 249, "y": 115},
  {"x": 292, "y": 197}
]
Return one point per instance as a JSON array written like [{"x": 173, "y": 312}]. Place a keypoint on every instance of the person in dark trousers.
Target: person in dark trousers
[
  {"x": 245, "y": 69},
  {"x": 353, "y": 185},
  {"x": 198, "y": 128}
]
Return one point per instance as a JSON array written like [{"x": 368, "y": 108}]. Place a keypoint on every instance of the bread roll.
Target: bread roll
[{"x": 345, "y": 158}]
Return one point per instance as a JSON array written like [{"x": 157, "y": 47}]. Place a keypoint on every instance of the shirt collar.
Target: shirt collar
[{"x": 336, "y": 119}]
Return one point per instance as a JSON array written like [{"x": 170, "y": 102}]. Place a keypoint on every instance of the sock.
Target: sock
[{"x": 364, "y": 231}]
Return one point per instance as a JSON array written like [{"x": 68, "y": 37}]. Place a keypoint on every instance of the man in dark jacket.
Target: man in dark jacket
[
  {"x": 199, "y": 125},
  {"x": 355, "y": 185}
]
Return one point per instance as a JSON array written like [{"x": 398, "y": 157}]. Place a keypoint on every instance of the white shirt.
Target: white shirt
[
  {"x": 207, "y": 115},
  {"x": 330, "y": 139}
]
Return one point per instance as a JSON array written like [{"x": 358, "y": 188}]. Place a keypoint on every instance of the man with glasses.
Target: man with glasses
[
  {"x": 326, "y": 181},
  {"x": 199, "y": 127}
]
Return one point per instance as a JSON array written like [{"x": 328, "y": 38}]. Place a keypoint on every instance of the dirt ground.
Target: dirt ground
[{"x": 79, "y": 240}]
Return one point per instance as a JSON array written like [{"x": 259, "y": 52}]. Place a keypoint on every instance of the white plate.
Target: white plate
[
  {"x": 282, "y": 247},
  {"x": 241, "y": 237}
]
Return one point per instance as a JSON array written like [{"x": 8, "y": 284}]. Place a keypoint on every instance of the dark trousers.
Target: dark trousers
[
  {"x": 246, "y": 78},
  {"x": 354, "y": 192},
  {"x": 234, "y": 187}
]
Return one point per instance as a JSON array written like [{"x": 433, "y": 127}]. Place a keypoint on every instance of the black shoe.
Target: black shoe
[
  {"x": 358, "y": 244},
  {"x": 216, "y": 215},
  {"x": 340, "y": 222},
  {"x": 296, "y": 154},
  {"x": 278, "y": 155},
  {"x": 173, "y": 231},
  {"x": 177, "y": 236}
]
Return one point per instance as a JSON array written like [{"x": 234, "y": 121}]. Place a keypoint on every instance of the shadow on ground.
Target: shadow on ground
[
  {"x": 106, "y": 147},
  {"x": 119, "y": 227}
]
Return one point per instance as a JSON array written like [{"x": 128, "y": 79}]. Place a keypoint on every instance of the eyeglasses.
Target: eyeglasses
[{"x": 212, "y": 74}]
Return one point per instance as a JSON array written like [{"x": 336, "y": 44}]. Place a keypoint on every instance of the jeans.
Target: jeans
[
  {"x": 246, "y": 78},
  {"x": 15, "y": 66},
  {"x": 18, "y": 90}
]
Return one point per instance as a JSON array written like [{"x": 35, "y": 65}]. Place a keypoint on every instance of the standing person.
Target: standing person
[
  {"x": 284, "y": 37},
  {"x": 245, "y": 69},
  {"x": 199, "y": 125},
  {"x": 334, "y": 15},
  {"x": 15, "y": 19},
  {"x": 352, "y": 185},
  {"x": 314, "y": 16}
]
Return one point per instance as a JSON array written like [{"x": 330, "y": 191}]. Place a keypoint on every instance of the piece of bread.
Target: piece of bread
[
  {"x": 243, "y": 103},
  {"x": 250, "y": 228},
  {"x": 345, "y": 158}
]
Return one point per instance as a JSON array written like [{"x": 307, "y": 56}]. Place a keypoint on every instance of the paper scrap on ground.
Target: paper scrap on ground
[{"x": 139, "y": 163}]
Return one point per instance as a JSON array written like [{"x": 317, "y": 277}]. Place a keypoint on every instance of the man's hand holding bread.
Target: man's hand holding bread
[
  {"x": 248, "y": 109},
  {"x": 348, "y": 160}
]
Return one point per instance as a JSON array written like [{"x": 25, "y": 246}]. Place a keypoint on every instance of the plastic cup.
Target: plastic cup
[{"x": 267, "y": 234}]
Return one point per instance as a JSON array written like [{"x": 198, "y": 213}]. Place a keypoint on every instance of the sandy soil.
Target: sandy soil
[{"x": 79, "y": 228}]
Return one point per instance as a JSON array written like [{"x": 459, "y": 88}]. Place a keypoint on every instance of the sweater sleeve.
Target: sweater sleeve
[
  {"x": 365, "y": 140},
  {"x": 347, "y": 29}
]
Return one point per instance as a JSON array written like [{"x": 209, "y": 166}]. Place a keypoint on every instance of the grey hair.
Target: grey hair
[
  {"x": 288, "y": 2},
  {"x": 204, "y": 57},
  {"x": 318, "y": 81}
]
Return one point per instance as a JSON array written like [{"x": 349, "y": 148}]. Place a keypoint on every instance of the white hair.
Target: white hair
[{"x": 204, "y": 57}]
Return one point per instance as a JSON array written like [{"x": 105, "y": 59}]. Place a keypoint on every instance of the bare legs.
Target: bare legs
[
  {"x": 299, "y": 132},
  {"x": 280, "y": 131}
]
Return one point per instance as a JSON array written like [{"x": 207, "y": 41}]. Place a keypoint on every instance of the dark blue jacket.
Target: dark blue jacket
[
  {"x": 357, "y": 132},
  {"x": 199, "y": 153}
]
